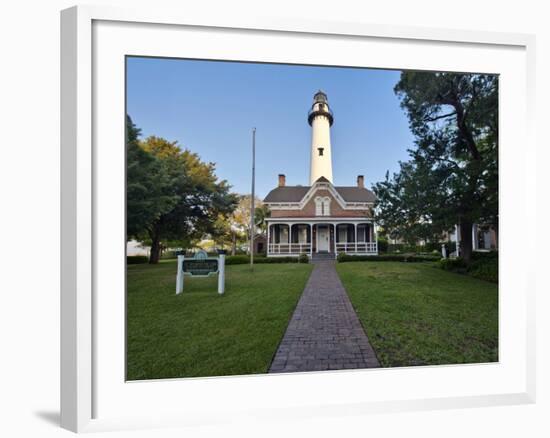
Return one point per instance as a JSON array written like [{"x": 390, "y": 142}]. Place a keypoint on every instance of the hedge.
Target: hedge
[
  {"x": 480, "y": 255},
  {"x": 483, "y": 266},
  {"x": 455, "y": 265},
  {"x": 412, "y": 258},
  {"x": 244, "y": 259},
  {"x": 484, "y": 269},
  {"x": 303, "y": 258},
  {"x": 136, "y": 260},
  {"x": 428, "y": 247}
]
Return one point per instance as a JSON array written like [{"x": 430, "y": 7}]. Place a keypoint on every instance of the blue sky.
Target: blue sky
[{"x": 210, "y": 108}]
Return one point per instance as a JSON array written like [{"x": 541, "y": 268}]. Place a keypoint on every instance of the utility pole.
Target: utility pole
[{"x": 252, "y": 224}]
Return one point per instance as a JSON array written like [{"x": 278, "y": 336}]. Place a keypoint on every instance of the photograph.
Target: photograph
[{"x": 308, "y": 218}]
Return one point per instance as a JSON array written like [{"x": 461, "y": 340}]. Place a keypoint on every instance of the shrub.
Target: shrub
[
  {"x": 244, "y": 259},
  {"x": 431, "y": 247},
  {"x": 237, "y": 260},
  {"x": 278, "y": 260},
  {"x": 382, "y": 244},
  {"x": 407, "y": 258},
  {"x": 136, "y": 260},
  {"x": 484, "y": 268},
  {"x": 489, "y": 255},
  {"x": 303, "y": 258},
  {"x": 395, "y": 247},
  {"x": 454, "y": 265}
]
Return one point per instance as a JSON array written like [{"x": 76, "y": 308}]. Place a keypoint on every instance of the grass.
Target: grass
[
  {"x": 415, "y": 314},
  {"x": 199, "y": 333}
]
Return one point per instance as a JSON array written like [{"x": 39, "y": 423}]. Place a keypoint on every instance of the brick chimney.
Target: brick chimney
[
  {"x": 361, "y": 181},
  {"x": 282, "y": 180}
]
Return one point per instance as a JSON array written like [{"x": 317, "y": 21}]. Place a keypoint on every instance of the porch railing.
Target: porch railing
[
  {"x": 307, "y": 248},
  {"x": 359, "y": 247},
  {"x": 289, "y": 248}
]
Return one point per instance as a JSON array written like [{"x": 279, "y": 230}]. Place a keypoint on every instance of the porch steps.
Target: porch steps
[{"x": 323, "y": 256}]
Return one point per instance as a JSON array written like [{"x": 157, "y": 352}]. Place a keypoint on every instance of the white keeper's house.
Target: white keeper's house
[{"x": 322, "y": 219}]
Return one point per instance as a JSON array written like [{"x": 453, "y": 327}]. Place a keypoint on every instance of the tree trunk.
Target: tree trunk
[
  {"x": 154, "y": 257},
  {"x": 466, "y": 240},
  {"x": 233, "y": 243}
]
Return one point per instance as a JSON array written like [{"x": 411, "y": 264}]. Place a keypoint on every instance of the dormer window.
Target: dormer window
[
  {"x": 322, "y": 206},
  {"x": 320, "y": 150}
]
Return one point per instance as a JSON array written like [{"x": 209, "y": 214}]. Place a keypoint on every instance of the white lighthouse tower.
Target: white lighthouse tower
[{"x": 320, "y": 119}]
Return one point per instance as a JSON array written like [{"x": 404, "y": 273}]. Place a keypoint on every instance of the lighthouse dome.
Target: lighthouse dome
[
  {"x": 320, "y": 107},
  {"x": 320, "y": 96}
]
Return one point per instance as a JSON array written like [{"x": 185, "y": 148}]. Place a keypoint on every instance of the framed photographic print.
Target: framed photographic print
[{"x": 254, "y": 209}]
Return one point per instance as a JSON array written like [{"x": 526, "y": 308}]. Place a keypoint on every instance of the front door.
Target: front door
[{"x": 322, "y": 239}]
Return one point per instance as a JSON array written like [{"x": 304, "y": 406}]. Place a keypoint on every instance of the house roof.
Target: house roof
[
  {"x": 297, "y": 193},
  {"x": 287, "y": 194},
  {"x": 356, "y": 194}
]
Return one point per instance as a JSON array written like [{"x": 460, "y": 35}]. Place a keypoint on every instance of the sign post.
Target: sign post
[
  {"x": 201, "y": 266},
  {"x": 179, "y": 276},
  {"x": 252, "y": 221},
  {"x": 221, "y": 272}
]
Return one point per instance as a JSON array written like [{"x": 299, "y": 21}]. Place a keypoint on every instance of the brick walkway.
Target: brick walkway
[{"x": 324, "y": 332}]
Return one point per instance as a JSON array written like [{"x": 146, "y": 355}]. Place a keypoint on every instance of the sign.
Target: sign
[
  {"x": 201, "y": 266},
  {"x": 201, "y": 255}
]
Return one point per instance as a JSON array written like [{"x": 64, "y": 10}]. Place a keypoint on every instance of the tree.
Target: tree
[
  {"x": 222, "y": 234},
  {"x": 201, "y": 197},
  {"x": 183, "y": 197},
  {"x": 261, "y": 213},
  {"x": 239, "y": 221},
  {"x": 146, "y": 185},
  {"x": 452, "y": 176}
]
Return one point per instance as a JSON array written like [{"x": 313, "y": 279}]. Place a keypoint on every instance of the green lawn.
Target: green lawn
[
  {"x": 199, "y": 333},
  {"x": 416, "y": 314}
]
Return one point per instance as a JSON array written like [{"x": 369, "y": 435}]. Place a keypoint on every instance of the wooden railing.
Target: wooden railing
[
  {"x": 307, "y": 248},
  {"x": 289, "y": 248},
  {"x": 359, "y": 247}
]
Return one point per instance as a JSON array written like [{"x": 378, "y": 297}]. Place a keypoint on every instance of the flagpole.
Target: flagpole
[{"x": 252, "y": 198}]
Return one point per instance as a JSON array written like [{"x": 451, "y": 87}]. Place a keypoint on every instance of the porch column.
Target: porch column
[
  {"x": 336, "y": 239},
  {"x": 311, "y": 240},
  {"x": 375, "y": 238},
  {"x": 290, "y": 238},
  {"x": 371, "y": 232},
  {"x": 333, "y": 238},
  {"x": 268, "y": 242},
  {"x": 355, "y": 228}
]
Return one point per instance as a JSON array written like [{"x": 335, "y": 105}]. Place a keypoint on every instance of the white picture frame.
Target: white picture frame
[{"x": 87, "y": 378}]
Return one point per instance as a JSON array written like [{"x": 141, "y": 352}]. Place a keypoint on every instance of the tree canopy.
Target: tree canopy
[
  {"x": 235, "y": 228},
  {"x": 452, "y": 176},
  {"x": 172, "y": 196}
]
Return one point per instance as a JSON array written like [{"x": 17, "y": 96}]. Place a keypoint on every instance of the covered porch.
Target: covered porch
[{"x": 292, "y": 238}]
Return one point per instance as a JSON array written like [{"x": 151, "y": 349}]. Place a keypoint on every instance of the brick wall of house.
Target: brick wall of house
[{"x": 309, "y": 209}]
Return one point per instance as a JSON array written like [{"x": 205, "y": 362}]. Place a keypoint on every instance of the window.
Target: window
[
  {"x": 320, "y": 151},
  {"x": 302, "y": 233},
  {"x": 322, "y": 206},
  {"x": 342, "y": 233},
  {"x": 318, "y": 207}
]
